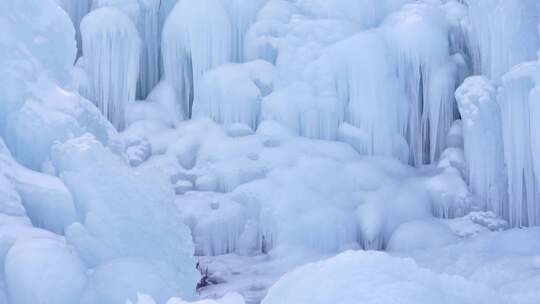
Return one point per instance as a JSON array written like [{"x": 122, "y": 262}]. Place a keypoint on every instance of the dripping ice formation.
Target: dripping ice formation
[
  {"x": 175, "y": 151},
  {"x": 191, "y": 46},
  {"x": 111, "y": 48}
]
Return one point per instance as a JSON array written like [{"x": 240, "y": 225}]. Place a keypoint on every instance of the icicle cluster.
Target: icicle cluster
[
  {"x": 111, "y": 48},
  {"x": 518, "y": 98},
  {"x": 418, "y": 34},
  {"x": 501, "y": 33},
  {"x": 481, "y": 117},
  {"x": 191, "y": 46}
]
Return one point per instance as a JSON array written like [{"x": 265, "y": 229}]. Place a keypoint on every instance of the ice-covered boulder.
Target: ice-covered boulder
[
  {"x": 111, "y": 47},
  {"x": 44, "y": 270},
  {"x": 374, "y": 277}
]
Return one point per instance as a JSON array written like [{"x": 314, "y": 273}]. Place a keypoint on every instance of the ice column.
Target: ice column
[
  {"x": 483, "y": 143},
  {"x": 518, "y": 99},
  {"x": 501, "y": 34},
  {"x": 111, "y": 48},
  {"x": 192, "y": 44}
]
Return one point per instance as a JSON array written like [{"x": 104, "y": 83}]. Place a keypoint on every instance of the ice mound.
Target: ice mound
[
  {"x": 505, "y": 261},
  {"x": 129, "y": 215},
  {"x": 232, "y": 298},
  {"x": 421, "y": 234},
  {"x": 374, "y": 277},
  {"x": 56, "y": 275},
  {"x": 232, "y": 94}
]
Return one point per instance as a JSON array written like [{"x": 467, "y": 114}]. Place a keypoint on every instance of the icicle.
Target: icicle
[
  {"x": 501, "y": 34},
  {"x": 111, "y": 47},
  {"x": 191, "y": 45},
  {"x": 242, "y": 14},
  {"x": 232, "y": 93},
  {"x": 366, "y": 84},
  {"x": 483, "y": 143},
  {"x": 518, "y": 107},
  {"x": 145, "y": 15},
  {"x": 419, "y": 35}
]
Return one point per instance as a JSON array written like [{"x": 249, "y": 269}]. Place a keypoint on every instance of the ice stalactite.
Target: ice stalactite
[
  {"x": 76, "y": 9},
  {"x": 111, "y": 47},
  {"x": 148, "y": 26},
  {"x": 518, "y": 100},
  {"x": 501, "y": 34},
  {"x": 418, "y": 34},
  {"x": 191, "y": 46},
  {"x": 242, "y": 14},
  {"x": 145, "y": 16},
  {"x": 366, "y": 84},
  {"x": 233, "y": 93},
  {"x": 483, "y": 143}
]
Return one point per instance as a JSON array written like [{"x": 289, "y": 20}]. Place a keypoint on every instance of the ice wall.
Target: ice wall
[
  {"x": 191, "y": 46},
  {"x": 483, "y": 143},
  {"x": 111, "y": 48}
]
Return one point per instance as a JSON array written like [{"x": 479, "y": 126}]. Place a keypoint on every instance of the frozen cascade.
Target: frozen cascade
[
  {"x": 242, "y": 14},
  {"x": 76, "y": 9},
  {"x": 191, "y": 46},
  {"x": 518, "y": 100},
  {"x": 483, "y": 143},
  {"x": 145, "y": 16},
  {"x": 111, "y": 48},
  {"x": 232, "y": 93},
  {"x": 418, "y": 34},
  {"x": 366, "y": 82},
  {"x": 149, "y": 31},
  {"x": 501, "y": 34}
]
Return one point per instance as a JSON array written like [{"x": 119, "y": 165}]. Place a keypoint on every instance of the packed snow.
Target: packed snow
[{"x": 269, "y": 151}]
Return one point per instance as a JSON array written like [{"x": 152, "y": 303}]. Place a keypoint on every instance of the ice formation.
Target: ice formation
[
  {"x": 76, "y": 9},
  {"x": 418, "y": 34},
  {"x": 233, "y": 93},
  {"x": 482, "y": 132},
  {"x": 262, "y": 135},
  {"x": 374, "y": 277},
  {"x": 501, "y": 34},
  {"x": 111, "y": 48},
  {"x": 517, "y": 99},
  {"x": 191, "y": 46}
]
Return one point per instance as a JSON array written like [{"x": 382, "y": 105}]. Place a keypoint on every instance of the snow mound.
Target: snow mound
[{"x": 374, "y": 277}]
